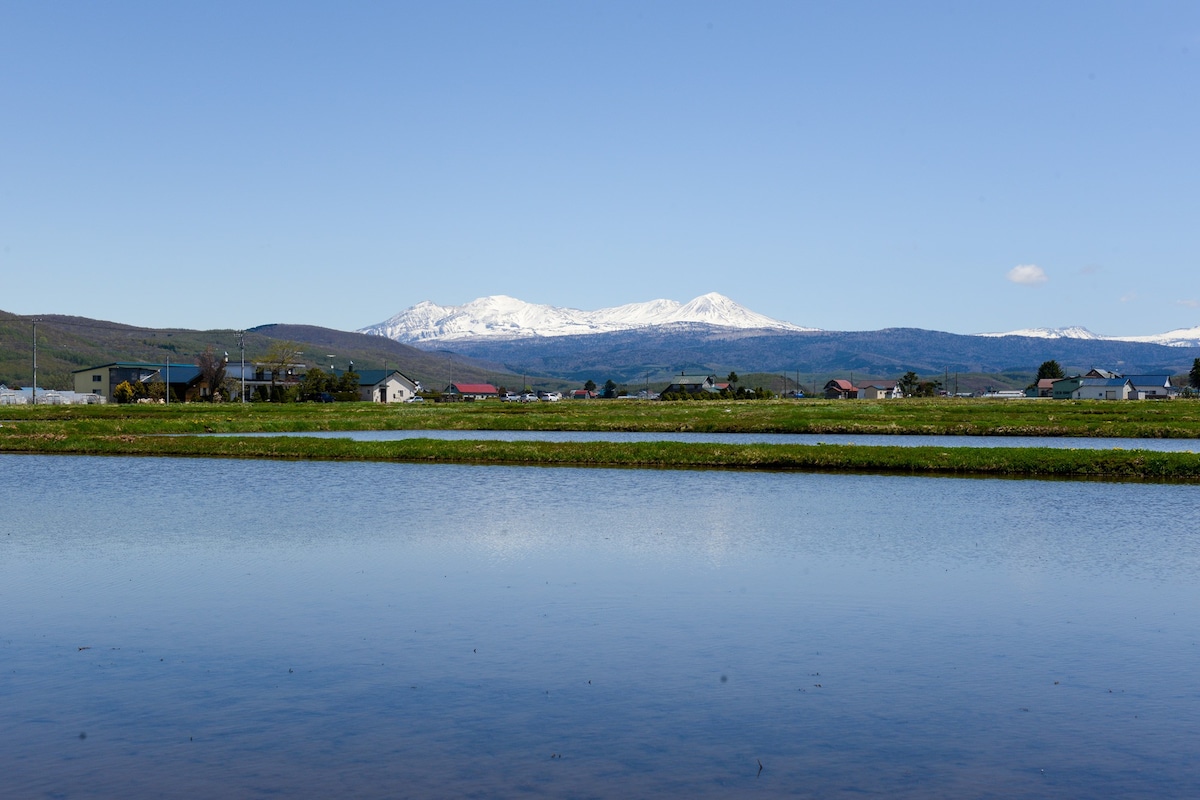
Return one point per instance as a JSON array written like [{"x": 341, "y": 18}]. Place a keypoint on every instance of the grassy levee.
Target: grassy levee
[
  {"x": 1175, "y": 419},
  {"x": 957, "y": 461},
  {"x": 138, "y": 430}
]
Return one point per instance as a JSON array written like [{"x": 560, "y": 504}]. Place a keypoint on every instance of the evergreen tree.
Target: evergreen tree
[{"x": 1050, "y": 369}]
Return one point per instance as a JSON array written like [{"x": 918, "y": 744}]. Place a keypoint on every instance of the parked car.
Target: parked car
[
  {"x": 510, "y": 397},
  {"x": 529, "y": 398},
  {"x": 416, "y": 398},
  {"x": 550, "y": 397}
]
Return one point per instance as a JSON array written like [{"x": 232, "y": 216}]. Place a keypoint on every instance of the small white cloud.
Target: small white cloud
[
  {"x": 1188, "y": 303},
  {"x": 1129, "y": 298},
  {"x": 1027, "y": 274}
]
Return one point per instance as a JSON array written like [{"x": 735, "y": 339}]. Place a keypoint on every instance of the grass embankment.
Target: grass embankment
[
  {"x": 137, "y": 431},
  {"x": 1175, "y": 419},
  {"x": 1007, "y": 462}
]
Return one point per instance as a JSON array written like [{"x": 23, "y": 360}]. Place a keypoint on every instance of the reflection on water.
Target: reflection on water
[
  {"x": 202, "y": 627},
  {"x": 1064, "y": 442}
]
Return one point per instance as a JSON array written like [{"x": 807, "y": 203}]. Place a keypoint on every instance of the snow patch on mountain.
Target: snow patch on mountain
[{"x": 502, "y": 317}]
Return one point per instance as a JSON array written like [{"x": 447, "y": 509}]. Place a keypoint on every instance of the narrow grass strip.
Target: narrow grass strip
[{"x": 956, "y": 461}]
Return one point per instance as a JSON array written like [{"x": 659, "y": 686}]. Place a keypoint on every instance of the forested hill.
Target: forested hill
[{"x": 66, "y": 343}]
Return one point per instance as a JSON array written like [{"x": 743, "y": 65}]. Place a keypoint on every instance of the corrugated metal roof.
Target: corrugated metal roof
[
  {"x": 474, "y": 388},
  {"x": 1102, "y": 381}
]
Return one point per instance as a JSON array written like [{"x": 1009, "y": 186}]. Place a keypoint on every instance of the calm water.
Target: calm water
[
  {"x": 1078, "y": 442},
  {"x": 188, "y": 628}
]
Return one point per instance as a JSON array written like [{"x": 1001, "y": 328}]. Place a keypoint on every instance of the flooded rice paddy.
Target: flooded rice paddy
[{"x": 195, "y": 627}]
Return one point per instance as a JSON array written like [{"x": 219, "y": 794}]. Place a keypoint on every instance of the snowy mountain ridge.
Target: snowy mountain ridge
[
  {"x": 1180, "y": 337},
  {"x": 503, "y": 317}
]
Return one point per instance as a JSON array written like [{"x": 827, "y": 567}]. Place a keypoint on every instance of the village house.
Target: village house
[
  {"x": 880, "y": 390},
  {"x": 1085, "y": 388},
  {"x": 840, "y": 389},
  {"x": 471, "y": 391},
  {"x": 384, "y": 386},
  {"x": 103, "y": 379},
  {"x": 1152, "y": 387},
  {"x": 1102, "y": 384},
  {"x": 694, "y": 384}
]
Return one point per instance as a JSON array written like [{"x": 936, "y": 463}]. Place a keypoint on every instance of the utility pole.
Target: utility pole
[
  {"x": 242, "y": 347},
  {"x": 35, "y": 322}
]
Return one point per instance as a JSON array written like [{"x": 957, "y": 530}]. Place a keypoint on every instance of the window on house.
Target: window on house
[{"x": 97, "y": 378}]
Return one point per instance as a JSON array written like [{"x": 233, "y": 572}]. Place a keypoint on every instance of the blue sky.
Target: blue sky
[{"x": 849, "y": 166}]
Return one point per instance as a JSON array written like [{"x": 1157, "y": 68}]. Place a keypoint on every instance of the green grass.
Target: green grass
[
  {"x": 961, "y": 461},
  {"x": 1174, "y": 419},
  {"x": 137, "y": 430}
]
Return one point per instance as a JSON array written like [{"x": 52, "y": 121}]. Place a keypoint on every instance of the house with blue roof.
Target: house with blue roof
[
  {"x": 384, "y": 385},
  {"x": 1152, "y": 387},
  {"x": 1084, "y": 388}
]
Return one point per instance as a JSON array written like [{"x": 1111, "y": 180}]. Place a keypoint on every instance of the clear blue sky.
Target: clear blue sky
[{"x": 847, "y": 165}]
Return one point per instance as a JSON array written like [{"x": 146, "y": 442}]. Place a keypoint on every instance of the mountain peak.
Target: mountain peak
[{"x": 503, "y": 317}]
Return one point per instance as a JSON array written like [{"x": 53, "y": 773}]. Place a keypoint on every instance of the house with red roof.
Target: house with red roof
[
  {"x": 841, "y": 389},
  {"x": 473, "y": 391}
]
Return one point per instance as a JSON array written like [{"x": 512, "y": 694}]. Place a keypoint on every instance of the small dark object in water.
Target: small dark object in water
[
  {"x": 82, "y": 735},
  {"x": 759, "y": 760}
]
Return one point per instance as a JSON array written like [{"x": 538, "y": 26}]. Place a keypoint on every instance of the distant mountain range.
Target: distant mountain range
[
  {"x": 635, "y": 344},
  {"x": 1181, "y": 337},
  {"x": 714, "y": 334},
  {"x": 502, "y": 317}
]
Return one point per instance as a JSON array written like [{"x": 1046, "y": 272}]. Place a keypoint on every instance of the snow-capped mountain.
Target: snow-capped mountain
[
  {"x": 1073, "y": 332},
  {"x": 501, "y": 317},
  {"x": 1181, "y": 337}
]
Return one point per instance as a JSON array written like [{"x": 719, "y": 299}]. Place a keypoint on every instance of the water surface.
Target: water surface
[{"x": 178, "y": 627}]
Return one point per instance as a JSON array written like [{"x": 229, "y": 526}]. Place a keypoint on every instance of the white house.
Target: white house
[
  {"x": 386, "y": 386},
  {"x": 880, "y": 390},
  {"x": 1103, "y": 389},
  {"x": 1151, "y": 387}
]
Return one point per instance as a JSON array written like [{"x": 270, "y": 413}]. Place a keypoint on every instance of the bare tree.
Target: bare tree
[
  {"x": 212, "y": 371},
  {"x": 280, "y": 358}
]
